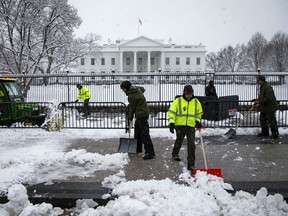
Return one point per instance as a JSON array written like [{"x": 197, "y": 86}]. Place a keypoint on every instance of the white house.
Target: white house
[{"x": 143, "y": 54}]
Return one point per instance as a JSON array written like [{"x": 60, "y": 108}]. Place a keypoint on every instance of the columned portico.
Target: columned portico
[{"x": 137, "y": 54}]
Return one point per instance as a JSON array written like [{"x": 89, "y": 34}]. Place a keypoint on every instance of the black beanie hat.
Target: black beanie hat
[
  {"x": 260, "y": 77},
  {"x": 125, "y": 85},
  {"x": 188, "y": 90}
]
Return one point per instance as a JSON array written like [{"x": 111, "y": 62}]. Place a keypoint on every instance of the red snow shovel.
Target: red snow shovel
[{"x": 211, "y": 171}]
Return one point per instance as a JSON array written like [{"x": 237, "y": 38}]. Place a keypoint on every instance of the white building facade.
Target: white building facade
[{"x": 143, "y": 54}]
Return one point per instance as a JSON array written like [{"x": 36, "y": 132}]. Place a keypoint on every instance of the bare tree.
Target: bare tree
[
  {"x": 256, "y": 51},
  {"x": 233, "y": 58},
  {"x": 278, "y": 51},
  {"x": 37, "y": 36},
  {"x": 278, "y": 54},
  {"x": 214, "y": 62}
]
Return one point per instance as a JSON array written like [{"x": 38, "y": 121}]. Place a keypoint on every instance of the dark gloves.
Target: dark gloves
[
  {"x": 198, "y": 125},
  {"x": 172, "y": 127},
  {"x": 253, "y": 100},
  {"x": 76, "y": 101}
]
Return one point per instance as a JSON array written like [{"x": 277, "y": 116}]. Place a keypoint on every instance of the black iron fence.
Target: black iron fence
[
  {"x": 113, "y": 115},
  {"x": 108, "y": 103},
  {"x": 159, "y": 86}
]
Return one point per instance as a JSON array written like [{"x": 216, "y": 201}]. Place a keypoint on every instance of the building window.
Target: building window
[
  {"x": 102, "y": 61},
  {"x": 127, "y": 61},
  {"x": 177, "y": 61},
  {"x": 167, "y": 61},
  {"x": 139, "y": 61},
  {"x": 187, "y": 61},
  {"x": 82, "y": 61},
  {"x": 112, "y": 61},
  {"x": 198, "y": 61},
  {"x": 92, "y": 61},
  {"x": 152, "y": 61}
]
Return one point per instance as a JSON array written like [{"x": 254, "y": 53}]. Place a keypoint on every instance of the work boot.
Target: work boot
[
  {"x": 148, "y": 156},
  {"x": 275, "y": 135},
  {"x": 176, "y": 157},
  {"x": 191, "y": 169},
  {"x": 263, "y": 134}
]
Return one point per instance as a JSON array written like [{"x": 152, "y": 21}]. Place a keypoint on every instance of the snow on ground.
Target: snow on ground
[{"x": 35, "y": 156}]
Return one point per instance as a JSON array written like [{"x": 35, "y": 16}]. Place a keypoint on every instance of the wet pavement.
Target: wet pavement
[
  {"x": 247, "y": 163},
  {"x": 242, "y": 158}
]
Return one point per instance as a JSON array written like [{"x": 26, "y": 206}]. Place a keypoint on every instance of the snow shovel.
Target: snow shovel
[
  {"x": 232, "y": 132},
  {"x": 128, "y": 145},
  {"x": 211, "y": 171}
]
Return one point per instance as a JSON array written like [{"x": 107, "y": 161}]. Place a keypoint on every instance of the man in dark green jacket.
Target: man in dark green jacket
[
  {"x": 267, "y": 104},
  {"x": 138, "y": 108}
]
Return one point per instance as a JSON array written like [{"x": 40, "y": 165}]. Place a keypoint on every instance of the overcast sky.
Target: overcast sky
[{"x": 214, "y": 23}]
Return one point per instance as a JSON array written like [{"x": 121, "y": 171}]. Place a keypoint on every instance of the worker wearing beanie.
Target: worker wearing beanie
[{"x": 184, "y": 115}]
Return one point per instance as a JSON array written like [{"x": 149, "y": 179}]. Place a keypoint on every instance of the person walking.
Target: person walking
[
  {"x": 83, "y": 94},
  {"x": 138, "y": 108},
  {"x": 210, "y": 90},
  {"x": 184, "y": 116},
  {"x": 267, "y": 104}
]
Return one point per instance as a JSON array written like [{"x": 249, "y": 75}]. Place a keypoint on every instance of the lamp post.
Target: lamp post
[{"x": 159, "y": 78}]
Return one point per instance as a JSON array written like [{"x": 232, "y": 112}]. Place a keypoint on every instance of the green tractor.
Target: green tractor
[{"x": 13, "y": 108}]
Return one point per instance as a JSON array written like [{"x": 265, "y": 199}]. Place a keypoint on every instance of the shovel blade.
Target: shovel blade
[
  {"x": 128, "y": 145},
  {"x": 229, "y": 134},
  {"x": 213, "y": 171}
]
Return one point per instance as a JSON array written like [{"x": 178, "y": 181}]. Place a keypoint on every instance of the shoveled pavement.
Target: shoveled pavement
[
  {"x": 247, "y": 163},
  {"x": 242, "y": 158}
]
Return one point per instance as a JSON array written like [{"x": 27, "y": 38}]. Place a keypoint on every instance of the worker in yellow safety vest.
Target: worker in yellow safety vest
[
  {"x": 83, "y": 94},
  {"x": 184, "y": 116}
]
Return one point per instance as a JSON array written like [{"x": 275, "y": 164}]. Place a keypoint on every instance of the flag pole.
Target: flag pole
[
  {"x": 138, "y": 27},
  {"x": 139, "y": 23}
]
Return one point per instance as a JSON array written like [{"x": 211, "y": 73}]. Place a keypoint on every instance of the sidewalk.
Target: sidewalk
[
  {"x": 247, "y": 162},
  {"x": 243, "y": 158}
]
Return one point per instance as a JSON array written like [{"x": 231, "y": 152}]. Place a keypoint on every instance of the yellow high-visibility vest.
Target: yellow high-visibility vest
[
  {"x": 185, "y": 113},
  {"x": 83, "y": 93}
]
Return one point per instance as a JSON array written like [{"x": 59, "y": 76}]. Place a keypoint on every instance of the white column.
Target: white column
[
  {"x": 135, "y": 61},
  {"x": 162, "y": 61},
  {"x": 121, "y": 62},
  {"x": 148, "y": 61}
]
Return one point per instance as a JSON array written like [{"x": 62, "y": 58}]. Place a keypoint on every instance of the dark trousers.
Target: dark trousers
[
  {"x": 189, "y": 132},
  {"x": 267, "y": 119},
  {"x": 141, "y": 133},
  {"x": 86, "y": 107}
]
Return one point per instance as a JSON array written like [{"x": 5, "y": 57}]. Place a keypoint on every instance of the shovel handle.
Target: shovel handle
[
  {"x": 245, "y": 116},
  {"x": 203, "y": 150}
]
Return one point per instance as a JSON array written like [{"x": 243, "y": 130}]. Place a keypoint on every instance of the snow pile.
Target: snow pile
[
  {"x": 57, "y": 166},
  {"x": 204, "y": 195},
  {"x": 19, "y": 204}
]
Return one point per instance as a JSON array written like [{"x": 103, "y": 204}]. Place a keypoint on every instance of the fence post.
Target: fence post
[
  {"x": 257, "y": 86},
  {"x": 68, "y": 86},
  {"x": 159, "y": 70}
]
